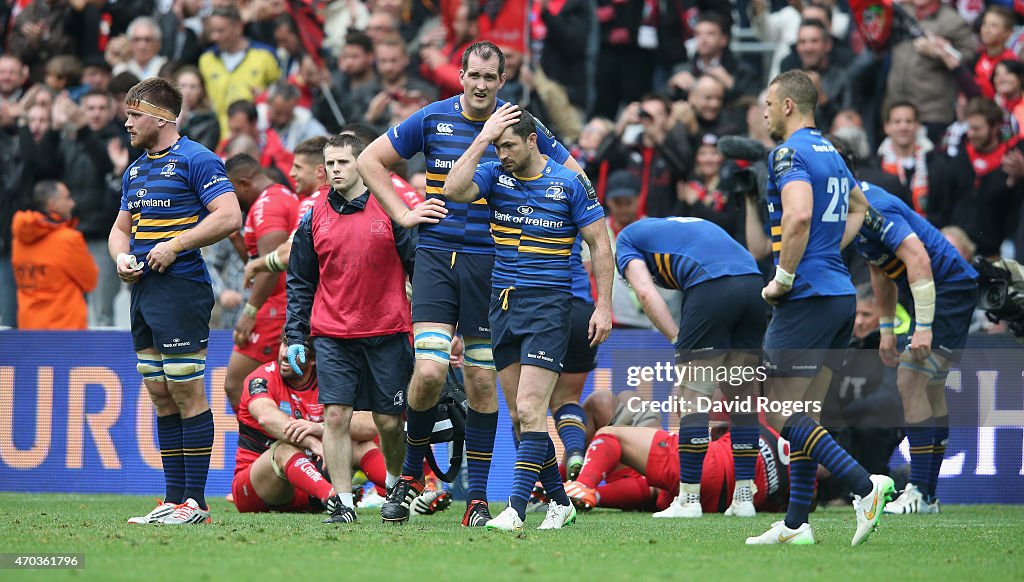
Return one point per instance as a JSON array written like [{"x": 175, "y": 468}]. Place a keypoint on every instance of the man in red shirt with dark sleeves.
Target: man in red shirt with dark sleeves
[{"x": 346, "y": 289}]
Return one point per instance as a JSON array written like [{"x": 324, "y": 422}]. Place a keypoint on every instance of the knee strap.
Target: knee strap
[
  {"x": 151, "y": 366},
  {"x": 478, "y": 353},
  {"x": 433, "y": 344},
  {"x": 930, "y": 367},
  {"x": 184, "y": 367},
  {"x": 273, "y": 461}
]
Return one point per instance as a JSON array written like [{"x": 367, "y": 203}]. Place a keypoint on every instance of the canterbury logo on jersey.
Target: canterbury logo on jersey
[
  {"x": 506, "y": 181},
  {"x": 445, "y": 128}
]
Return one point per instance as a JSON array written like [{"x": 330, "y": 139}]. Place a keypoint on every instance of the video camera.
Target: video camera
[
  {"x": 746, "y": 169},
  {"x": 1001, "y": 286}
]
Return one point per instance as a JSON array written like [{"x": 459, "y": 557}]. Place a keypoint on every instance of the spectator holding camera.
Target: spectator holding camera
[{"x": 653, "y": 146}]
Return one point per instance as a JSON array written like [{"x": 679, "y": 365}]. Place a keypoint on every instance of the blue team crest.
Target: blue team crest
[
  {"x": 168, "y": 170},
  {"x": 286, "y": 408}
]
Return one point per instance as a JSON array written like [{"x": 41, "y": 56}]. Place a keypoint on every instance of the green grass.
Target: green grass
[{"x": 965, "y": 542}]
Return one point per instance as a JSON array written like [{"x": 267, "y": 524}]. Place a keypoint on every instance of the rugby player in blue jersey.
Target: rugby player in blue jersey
[
  {"x": 538, "y": 208},
  {"x": 175, "y": 199},
  {"x": 717, "y": 339},
  {"x": 450, "y": 287},
  {"x": 815, "y": 207},
  {"x": 907, "y": 255}
]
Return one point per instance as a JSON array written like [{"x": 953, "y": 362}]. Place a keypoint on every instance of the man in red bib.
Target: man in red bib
[{"x": 346, "y": 289}]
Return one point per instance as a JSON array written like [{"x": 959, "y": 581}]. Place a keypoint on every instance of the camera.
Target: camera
[{"x": 1001, "y": 292}]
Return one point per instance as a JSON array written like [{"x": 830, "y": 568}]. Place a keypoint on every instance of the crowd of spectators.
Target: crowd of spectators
[{"x": 640, "y": 90}]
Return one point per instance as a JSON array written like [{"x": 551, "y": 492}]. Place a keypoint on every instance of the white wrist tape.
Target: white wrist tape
[
  {"x": 924, "y": 301},
  {"x": 783, "y": 277}
]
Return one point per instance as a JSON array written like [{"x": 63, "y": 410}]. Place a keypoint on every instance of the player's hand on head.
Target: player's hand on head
[
  {"x": 430, "y": 211},
  {"x": 921, "y": 343},
  {"x": 887, "y": 350},
  {"x": 600, "y": 326},
  {"x": 502, "y": 118},
  {"x": 296, "y": 356}
]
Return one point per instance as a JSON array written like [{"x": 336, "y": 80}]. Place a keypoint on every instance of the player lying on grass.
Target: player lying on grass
[
  {"x": 639, "y": 466},
  {"x": 622, "y": 442},
  {"x": 280, "y": 443}
]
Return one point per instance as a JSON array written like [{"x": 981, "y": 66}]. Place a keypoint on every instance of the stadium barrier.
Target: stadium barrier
[{"x": 74, "y": 416}]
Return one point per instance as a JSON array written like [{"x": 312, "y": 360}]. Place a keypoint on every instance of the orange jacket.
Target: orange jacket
[{"x": 53, "y": 270}]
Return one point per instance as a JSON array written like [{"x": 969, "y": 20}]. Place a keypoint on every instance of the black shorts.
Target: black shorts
[
  {"x": 954, "y": 309},
  {"x": 452, "y": 288},
  {"x": 806, "y": 334},
  {"x": 369, "y": 373},
  {"x": 579, "y": 356},
  {"x": 534, "y": 330},
  {"x": 170, "y": 313},
  {"x": 719, "y": 316}
]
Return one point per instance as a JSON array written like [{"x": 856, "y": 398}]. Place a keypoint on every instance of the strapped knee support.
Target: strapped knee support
[
  {"x": 273, "y": 461},
  {"x": 184, "y": 367},
  {"x": 700, "y": 379},
  {"x": 478, "y": 353},
  {"x": 151, "y": 366},
  {"x": 930, "y": 367},
  {"x": 433, "y": 344}
]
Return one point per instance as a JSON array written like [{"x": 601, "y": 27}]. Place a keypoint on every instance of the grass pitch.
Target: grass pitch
[{"x": 981, "y": 542}]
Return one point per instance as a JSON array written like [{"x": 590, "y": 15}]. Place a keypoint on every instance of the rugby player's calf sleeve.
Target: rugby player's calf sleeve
[
  {"x": 744, "y": 432},
  {"x": 303, "y": 475},
  {"x": 693, "y": 446},
  {"x": 481, "y": 428},
  {"x": 939, "y": 438},
  {"x": 197, "y": 443},
  {"x": 602, "y": 457},
  {"x": 570, "y": 420},
  {"x": 551, "y": 478},
  {"x": 815, "y": 442},
  {"x": 533, "y": 448},
  {"x": 630, "y": 493},
  {"x": 921, "y": 439},
  {"x": 419, "y": 425},
  {"x": 373, "y": 465},
  {"x": 168, "y": 430}
]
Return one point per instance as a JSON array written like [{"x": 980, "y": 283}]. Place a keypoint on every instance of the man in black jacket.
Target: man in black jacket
[
  {"x": 971, "y": 190},
  {"x": 714, "y": 58},
  {"x": 636, "y": 37}
]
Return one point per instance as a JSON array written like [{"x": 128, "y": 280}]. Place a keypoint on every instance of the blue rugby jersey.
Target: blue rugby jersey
[
  {"x": 682, "y": 252},
  {"x": 443, "y": 131},
  {"x": 808, "y": 157},
  {"x": 888, "y": 223},
  {"x": 535, "y": 223},
  {"x": 166, "y": 194},
  {"x": 580, "y": 278}
]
